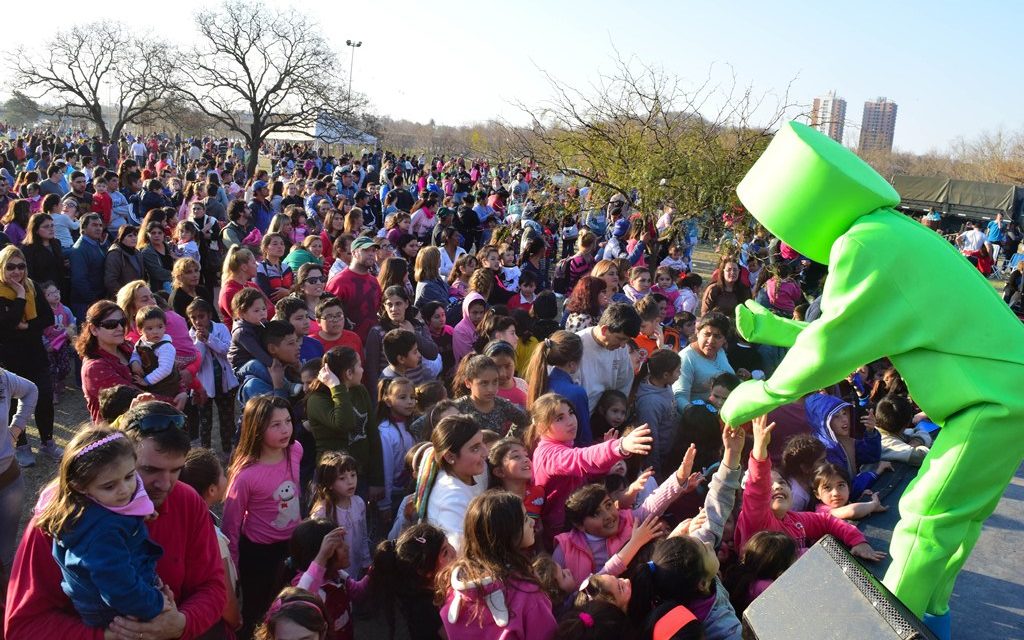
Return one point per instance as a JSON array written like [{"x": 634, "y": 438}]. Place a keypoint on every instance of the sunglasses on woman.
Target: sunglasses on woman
[
  {"x": 15, "y": 266},
  {"x": 316, "y": 280},
  {"x": 112, "y": 323}
]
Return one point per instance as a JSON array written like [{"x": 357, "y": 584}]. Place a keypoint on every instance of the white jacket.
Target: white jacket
[{"x": 216, "y": 346}]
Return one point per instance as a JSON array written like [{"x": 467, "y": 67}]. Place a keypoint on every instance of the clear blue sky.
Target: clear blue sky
[{"x": 947, "y": 65}]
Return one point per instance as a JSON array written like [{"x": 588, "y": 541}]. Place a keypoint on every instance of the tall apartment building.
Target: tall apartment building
[
  {"x": 828, "y": 115},
  {"x": 878, "y": 125}
]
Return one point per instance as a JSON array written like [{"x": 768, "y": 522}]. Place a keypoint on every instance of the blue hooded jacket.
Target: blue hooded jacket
[
  {"x": 108, "y": 564},
  {"x": 820, "y": 411}
]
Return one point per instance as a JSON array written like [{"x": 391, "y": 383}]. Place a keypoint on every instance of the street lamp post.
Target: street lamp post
[{"x": 351, "y": 64}]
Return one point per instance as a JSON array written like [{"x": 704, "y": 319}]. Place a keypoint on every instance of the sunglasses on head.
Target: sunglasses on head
[
  {"x": 112, "y": 323},
  {"x": 700, "y": 403},
  {"x": 156, "y": 423}
]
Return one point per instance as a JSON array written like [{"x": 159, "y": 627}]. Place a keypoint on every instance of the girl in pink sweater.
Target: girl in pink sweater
[
  {"x": 767, "y": 499},
  {"x": 560, "y": 467},
  {"x": 262, "y": 505},
  {"x": 493, "y": 593}
]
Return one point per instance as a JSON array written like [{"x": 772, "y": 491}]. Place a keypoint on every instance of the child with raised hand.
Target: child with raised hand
[
  {"x": 560, "y": 467},
  {"x": 801, "y": 456},
  {"x": 831, "y": 486},
  {"x": 476, "y": 390},
  {"x": 405, "y": 574},
  {"x": 493, "y": 591},
  {"x": 767, "y": 503},
  {"x": 335, "y": 480},
  {"x": 341, "y": 416},
  {"x": 604, "y": 537},
  {"x": 395, "y": 409},
  {"x": 152, "y": 362},
  {"x": 562, "y": 351},
  {"x": 320, "y": 554},
  {"x": 609, "y": 414},
  {"x": 262, "y": 506},
  {"x": 764, "y": 558},
  {"x": 95, "y": 512}
]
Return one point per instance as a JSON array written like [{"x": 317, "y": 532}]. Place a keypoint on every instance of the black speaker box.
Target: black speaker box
[{"x": 828, "y": 594}]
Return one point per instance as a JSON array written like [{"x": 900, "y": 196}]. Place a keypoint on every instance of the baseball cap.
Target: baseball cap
[
  {"x": 259, "y": 184},
  {"x": 363, "y": 242},
  {"x": 621, "y": 228}
]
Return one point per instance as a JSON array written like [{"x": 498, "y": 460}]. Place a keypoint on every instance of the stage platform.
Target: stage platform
[{"x": 988, "y": 600}]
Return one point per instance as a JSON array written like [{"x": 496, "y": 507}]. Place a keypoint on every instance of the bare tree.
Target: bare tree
[
  {"x": 81, "y": 69},
  {"x": 641, "y": 131},
  {"x": 260, "y": 72}
]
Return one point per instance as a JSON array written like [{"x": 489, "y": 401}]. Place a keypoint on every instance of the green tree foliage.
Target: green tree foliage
[{"x": 21, "y": 110}]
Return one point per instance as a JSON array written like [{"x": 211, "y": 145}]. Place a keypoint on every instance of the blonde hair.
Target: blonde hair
[
  {"x": 233, "y": 261},
  {"x": 180, "y": 265},
  {"x": 126, "y": 298},
  {"x": 428, "y": 264}
]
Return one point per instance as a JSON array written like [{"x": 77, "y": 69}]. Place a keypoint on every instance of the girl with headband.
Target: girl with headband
[{"x": 95, "y": 511}]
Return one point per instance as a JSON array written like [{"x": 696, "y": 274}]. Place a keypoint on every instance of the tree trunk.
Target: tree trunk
[{"x": 255, "y": 142}]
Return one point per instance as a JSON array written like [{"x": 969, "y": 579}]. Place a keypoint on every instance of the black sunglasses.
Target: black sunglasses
[
  {"x": 316, "y": 280},
  {"x": 111, "y": 324},
  {"x": 155, "y": 423}
]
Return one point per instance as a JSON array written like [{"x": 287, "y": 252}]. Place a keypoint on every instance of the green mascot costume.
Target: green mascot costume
[{"x": 894, "y": 289}]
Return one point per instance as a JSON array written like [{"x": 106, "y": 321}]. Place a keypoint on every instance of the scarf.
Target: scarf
[
  {"x": 139, "y": 505},
  {"x": 7, "y": 293}
]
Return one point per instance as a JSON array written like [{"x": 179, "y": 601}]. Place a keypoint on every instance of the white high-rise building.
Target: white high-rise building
[{"x": 828, "y": 115}]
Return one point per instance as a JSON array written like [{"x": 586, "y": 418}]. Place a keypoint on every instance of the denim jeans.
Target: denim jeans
[{"x": 12, "y": 498}]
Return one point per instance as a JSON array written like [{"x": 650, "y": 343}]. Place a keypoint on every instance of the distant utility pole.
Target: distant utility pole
[{"x": 351, "y": 64}]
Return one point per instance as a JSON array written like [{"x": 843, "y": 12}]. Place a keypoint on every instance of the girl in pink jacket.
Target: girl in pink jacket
[
  {"x": 560, "y": 467},
  {"x": 493, "y": 592},
  {"x": 767, "y": 500}
]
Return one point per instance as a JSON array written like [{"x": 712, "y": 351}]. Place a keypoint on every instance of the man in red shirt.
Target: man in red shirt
[
  {"x": 357, "y": 288},
  {"x": 191, "y": 564}
]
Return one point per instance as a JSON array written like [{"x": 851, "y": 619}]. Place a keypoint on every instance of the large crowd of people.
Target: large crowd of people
[{"x": 475, "y": 398}]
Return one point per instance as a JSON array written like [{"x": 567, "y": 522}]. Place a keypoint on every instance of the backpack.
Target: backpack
[{"x": 560, "y": 281}]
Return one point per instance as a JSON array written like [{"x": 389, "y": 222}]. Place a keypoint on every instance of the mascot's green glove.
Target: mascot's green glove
[{"x": 759, "y": 325}]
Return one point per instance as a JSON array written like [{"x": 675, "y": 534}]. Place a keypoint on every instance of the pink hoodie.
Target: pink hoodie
[
  {"x": 464, "y": 334},
  {"x": 561, "y": 469},
  {"x": 490, "y": 610}
]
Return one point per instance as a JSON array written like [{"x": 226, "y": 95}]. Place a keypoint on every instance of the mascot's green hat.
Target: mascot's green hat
[{"x": 808, "y": 189}]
